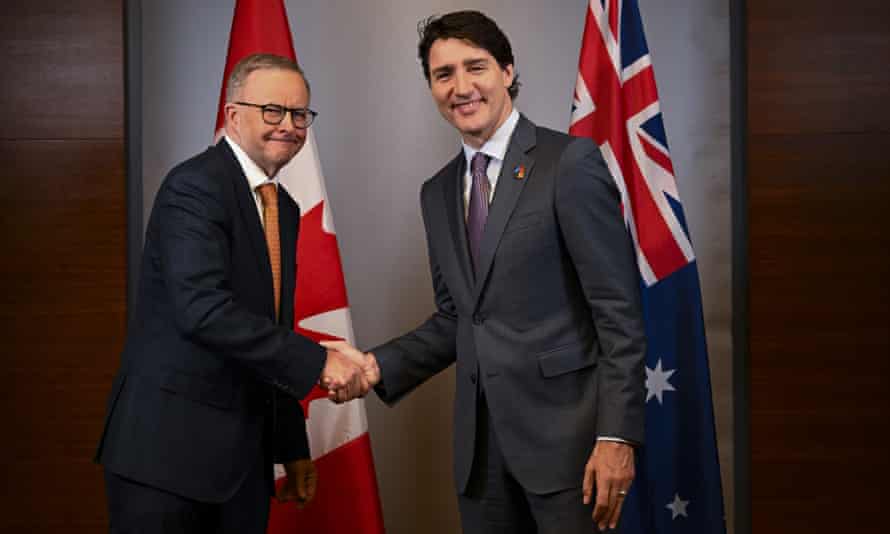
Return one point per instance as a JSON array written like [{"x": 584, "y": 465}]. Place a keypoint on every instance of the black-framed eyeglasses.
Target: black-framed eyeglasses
[{"x": 273, "y": 114}]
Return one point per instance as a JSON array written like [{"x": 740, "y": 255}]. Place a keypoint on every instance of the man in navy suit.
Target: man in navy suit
[
  {"x": 207, "y": 395},
  {"x": 537, "y": 302}
]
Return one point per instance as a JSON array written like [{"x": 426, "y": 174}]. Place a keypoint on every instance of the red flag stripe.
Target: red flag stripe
[
  {"x": 656, "y": 155},
  {"x": 346, "y": 501}
]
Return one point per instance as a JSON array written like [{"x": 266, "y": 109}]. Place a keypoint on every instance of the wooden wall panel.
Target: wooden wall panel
[
  {"x": 816, "y": 67},
  {"x": 63, "y": 70},
  {"x": 63, "y": 215},
  {"x": 819, "y": 255}
]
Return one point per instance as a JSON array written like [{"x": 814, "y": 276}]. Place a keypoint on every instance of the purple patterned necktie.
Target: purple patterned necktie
[{"x": 477, "y": 210}]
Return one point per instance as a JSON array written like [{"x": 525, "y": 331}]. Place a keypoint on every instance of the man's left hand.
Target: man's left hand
[
  {"x": 300, "y": 483},
  {"x": 611, "y": 469}
]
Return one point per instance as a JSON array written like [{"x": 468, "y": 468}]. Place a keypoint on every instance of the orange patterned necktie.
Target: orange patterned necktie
[{"x": 269, "y": 195}]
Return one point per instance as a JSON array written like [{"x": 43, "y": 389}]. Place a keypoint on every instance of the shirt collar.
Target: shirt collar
[
  {"x": 255, "y": 175},
  {"x": 496, "y": 146}
]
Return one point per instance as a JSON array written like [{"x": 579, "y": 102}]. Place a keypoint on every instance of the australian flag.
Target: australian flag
[{"x": 677, "y": 487}]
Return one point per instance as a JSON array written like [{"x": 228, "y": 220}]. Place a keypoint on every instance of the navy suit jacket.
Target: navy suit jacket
[
  {"x": 208, "y": 380},
  {"x": 549, "y": 321}
]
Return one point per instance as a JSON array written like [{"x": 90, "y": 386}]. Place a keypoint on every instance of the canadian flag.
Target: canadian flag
[{"x": 347, "y": 500}]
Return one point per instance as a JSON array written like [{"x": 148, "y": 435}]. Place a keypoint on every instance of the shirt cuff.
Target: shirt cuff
[{"x": 613, "y": 438}]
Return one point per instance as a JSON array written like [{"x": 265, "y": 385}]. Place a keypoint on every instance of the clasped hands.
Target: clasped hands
[{"x": 348, "y": 372}]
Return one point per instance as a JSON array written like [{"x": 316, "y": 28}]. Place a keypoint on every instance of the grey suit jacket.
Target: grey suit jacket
[{"x": 549, "y": 324}]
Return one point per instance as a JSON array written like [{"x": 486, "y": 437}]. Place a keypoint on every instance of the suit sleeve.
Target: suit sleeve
[
  {"x": 589, "y": 213},
  {"x": 409, "y": 360},
  {"x": 194, "y": 253},
  {"x": 291, "y": 440}
]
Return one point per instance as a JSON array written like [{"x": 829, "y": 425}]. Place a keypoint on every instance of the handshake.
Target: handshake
[{"x": 348, "y": 373}]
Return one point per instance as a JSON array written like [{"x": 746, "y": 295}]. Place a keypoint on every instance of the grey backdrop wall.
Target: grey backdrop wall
[{"x": 379, "y": 136}]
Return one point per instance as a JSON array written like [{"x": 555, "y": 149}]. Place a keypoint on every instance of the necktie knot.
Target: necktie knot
[
  {"x": 268, "y": 193},
  {"x": 479, "y": 165}
]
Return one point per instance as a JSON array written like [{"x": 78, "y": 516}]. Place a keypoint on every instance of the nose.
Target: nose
[
  {"x": 287, "y": 124},
  {"x": 462, "y": 84}
]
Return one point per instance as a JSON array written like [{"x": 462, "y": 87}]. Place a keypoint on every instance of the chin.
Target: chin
[
  {"x": 284, "y": 158},
  {"x": 472, "y": 131},
  {"x": 469, "y": 127}
]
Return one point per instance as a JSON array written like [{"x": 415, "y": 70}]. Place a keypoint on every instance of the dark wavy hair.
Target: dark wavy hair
[{"x": 472, "y": 27}]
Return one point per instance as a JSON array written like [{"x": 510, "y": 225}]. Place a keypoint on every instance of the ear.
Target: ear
[
  {"x": 508, "y": 74},
  {"x": 230, "y": 111}
]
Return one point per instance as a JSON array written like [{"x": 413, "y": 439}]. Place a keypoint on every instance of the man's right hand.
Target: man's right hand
[
  {"x": 342, "y": 374},
  {"x": 366, "y": 361}
]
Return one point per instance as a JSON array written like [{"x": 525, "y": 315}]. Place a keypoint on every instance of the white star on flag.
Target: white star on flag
[
  {"x": 657, "y": 382},
  {"x": 678, "y": 507}
]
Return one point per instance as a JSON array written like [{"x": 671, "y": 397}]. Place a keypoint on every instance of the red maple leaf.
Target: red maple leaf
[{"x": 320, "y": 284}]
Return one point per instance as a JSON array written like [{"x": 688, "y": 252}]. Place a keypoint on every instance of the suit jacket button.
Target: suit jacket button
[
  {"x": 473, "y": 378},
  {"x": 478, "y": 318}
]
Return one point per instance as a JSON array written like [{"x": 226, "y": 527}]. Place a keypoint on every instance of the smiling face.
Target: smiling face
[
  {"x": 469, "y": 88},
  {"x": 269, "y": 146}
]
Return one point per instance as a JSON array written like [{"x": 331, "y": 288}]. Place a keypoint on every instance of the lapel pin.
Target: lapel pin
[{"x": 519, "y": 172}]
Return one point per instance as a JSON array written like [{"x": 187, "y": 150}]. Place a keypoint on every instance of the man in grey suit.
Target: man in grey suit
[{"x": 537, "y": 301}]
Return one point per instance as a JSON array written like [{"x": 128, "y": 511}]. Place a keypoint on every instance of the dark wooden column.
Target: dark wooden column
[
  {"x": 818, "y": 163},
  {"x": 62, "y": 300}
]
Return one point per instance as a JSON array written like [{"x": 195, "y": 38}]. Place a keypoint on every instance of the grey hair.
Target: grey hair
[{"x": 255, "y": 62}]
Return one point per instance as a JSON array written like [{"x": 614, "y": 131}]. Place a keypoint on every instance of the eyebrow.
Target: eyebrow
[
  {"x": 445, "y": 69},
  {"x": 475, "y": 61}
]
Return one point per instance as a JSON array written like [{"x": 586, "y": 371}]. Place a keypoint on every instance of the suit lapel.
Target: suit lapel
[
  {"x": 454, "y": 203},
  {"x": 288, "y": 222},
  {"x": 506, "y": 194},
  {"x": 247, "y": 207}
]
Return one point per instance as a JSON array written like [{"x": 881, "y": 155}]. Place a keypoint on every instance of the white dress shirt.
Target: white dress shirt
[
  {"x": 255, "y": 175},
  {"x": 495, "y": 148}
]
